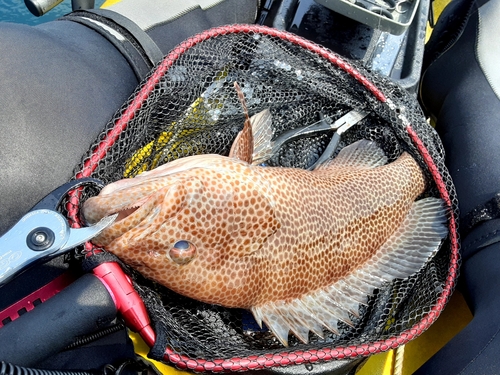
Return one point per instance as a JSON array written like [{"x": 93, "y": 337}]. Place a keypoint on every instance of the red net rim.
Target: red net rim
[{"x": 292, "y": 357}]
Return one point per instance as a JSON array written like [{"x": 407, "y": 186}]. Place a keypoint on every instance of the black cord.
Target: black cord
[
  {"x": 7, "y": 368},
  {"x": 83, "y": 340}
]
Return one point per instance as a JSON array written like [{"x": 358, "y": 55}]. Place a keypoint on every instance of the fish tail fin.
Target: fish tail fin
[
  {"x": 415, "y": 241},
  {"x": 405, "y": 253}
]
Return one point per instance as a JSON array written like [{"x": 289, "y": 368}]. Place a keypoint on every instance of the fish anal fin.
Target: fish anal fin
[
  {"x": 257, "y": 315},
  {"x": 358, "y": 292},
  {"x": 344, "y": 301},
  {"x": 362, "y": 154},
  {"x": 295, "y": 324},
  {"x": 306, "y": 317},
  {"x": 328, "y": 307},
  {"x": 274, "y": 320}
]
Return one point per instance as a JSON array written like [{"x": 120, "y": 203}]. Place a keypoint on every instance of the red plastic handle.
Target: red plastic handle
[{"x": 127, "y": 300}]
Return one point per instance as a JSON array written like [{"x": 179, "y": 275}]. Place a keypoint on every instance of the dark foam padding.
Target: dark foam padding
[{"x": 82, "y": 308}]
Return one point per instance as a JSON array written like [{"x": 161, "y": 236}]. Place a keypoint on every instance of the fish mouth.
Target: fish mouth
[
  {"x": 122, "y": 214},
  {"x": 139, "y": 214},
  {"x": 94, "y": 209},
  {"x": 126, "y": 212}
]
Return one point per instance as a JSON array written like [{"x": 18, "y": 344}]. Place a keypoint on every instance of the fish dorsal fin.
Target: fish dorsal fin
[
  {"x": 362, "y": 154},
  {"x": 253, "y": 142},
  {"x": 404, "y": 253}
]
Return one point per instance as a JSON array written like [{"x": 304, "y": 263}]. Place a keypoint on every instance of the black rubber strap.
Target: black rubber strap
[
  {"x": 157, "y": 352},
  {"x": 135, "y": 45},
  {"x": 97, "y": 259},
  {"x": 488, "y": 211}
]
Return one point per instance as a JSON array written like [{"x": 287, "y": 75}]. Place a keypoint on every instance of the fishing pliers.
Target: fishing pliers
[{"x": 43, "y": 233}]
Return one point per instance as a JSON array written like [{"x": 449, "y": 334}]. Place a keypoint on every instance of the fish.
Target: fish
[{"x": 302, "y": 250}]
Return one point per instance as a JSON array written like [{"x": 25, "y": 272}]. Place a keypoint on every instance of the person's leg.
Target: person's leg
[
  {"x": 62, "y": 82},
  {"x": 460, "y": 89},
  {"x": 169, "y": 22}
]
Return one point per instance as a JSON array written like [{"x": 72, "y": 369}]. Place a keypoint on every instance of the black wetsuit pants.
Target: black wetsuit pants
[{"x": 461, "y": 89}]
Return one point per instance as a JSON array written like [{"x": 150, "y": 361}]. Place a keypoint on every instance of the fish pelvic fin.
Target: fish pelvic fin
[
  {"x": 405, "y": 253},
  {"x": 362, "y": 154},
  {"x": 253, "y": 142}
]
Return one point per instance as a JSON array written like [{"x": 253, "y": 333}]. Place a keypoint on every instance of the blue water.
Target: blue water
[{"x": 16, "y": 11}]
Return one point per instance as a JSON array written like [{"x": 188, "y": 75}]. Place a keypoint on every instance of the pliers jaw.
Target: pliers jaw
[
  {"x": 43, "y": 233},
  {"x": 55, "y": 198}
]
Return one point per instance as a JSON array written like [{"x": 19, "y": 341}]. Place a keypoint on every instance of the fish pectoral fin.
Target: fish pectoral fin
[
  {"x": 253, "y": 142},
  {"x": 255, "y": 147},
  {"x": 262, "y": 135},
  {"x": 242, "y": 147},
  {"x": 362, "y": 154},
  {"x": 405, "y": 253}
]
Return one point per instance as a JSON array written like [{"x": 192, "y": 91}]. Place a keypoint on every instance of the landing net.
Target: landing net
[{"x": 188, "y": 106}]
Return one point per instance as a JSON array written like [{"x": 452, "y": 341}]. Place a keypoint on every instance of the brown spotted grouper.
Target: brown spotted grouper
[{"x": 300, "y": 249}]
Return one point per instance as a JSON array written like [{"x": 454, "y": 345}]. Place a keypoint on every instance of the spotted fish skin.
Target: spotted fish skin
[{"x": 300, "y": 249}]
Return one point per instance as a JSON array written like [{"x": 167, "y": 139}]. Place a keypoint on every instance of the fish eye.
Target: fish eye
[{"x": 182, "y": 252}]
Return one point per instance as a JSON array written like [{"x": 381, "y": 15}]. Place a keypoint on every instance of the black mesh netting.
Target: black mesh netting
[{"x": 188, "y": 105}]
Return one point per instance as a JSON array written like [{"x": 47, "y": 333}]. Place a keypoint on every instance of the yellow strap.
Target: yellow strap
[{"x": 142, "y": 349}]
